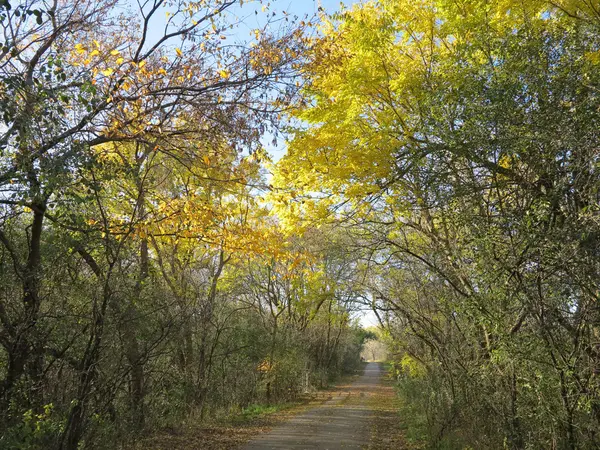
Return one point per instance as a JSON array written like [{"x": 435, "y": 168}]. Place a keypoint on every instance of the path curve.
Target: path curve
[{"x": 343, "y": 422}]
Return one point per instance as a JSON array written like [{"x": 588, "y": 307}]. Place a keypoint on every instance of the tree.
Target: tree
[
  {"x": 103, "y": 124},
  {"x": 456, "y": 142}
]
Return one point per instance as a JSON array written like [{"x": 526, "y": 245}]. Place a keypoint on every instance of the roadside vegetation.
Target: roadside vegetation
[
  {"x": 159, "y": 272},
  {"x": 457, "y": 144}
]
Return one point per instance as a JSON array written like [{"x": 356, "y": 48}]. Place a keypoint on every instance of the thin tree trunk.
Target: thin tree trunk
[
  {"x": 24, "y": 345},
  {"x": 76, "y": 421}
]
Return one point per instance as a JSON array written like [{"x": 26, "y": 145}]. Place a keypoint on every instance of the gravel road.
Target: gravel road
[{"x": 343, "y": 422}]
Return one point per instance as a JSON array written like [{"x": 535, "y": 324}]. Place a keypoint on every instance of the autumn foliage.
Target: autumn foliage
[
  {"x": 457, "y": 142},
  {"x": 158, "y": 269}
]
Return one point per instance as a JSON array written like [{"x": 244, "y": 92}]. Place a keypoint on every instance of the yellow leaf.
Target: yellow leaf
[
  {"x": 108, "y": 72},
  {"x": 224, "y": 74},
  {"x": 206, "y": 160},
  {"x": 94, "y": 53},
  {"x": 115, "y": 52},
  {"x": 79, "y": 48},
  {"x": 120, "y": 60},
  {"x": 178, "y": 51},
  {"x": 142, "y": 64}
]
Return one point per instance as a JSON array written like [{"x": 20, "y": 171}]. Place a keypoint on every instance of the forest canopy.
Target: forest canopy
[{"x": 157, "y": 267}]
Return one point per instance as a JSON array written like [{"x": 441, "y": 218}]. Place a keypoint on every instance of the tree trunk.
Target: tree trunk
[
  {"x": 76, "y": 421},
  {"x": 132, "y": 350},
  {"x": 25, "y": 345}
]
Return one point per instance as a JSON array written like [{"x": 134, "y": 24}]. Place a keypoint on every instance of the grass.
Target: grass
[{"x": 254, "y": 412}]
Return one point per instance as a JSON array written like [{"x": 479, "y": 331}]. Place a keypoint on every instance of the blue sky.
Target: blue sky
[
  {"x": 300, "y": 8},
  {"x": 251, "y": 16},
  {"x": 309, "y": 6}
]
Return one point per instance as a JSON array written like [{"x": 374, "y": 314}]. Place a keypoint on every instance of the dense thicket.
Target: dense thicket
[
  {"x": 142, "y": 282},
  {"x": 458, "y": 143}
]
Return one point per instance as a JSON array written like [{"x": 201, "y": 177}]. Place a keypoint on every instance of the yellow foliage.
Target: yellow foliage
[
  {"x": 365, "y": 78},
  {"x": 412, "y": 367}
]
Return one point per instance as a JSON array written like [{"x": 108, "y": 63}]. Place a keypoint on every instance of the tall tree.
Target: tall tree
[
  {"x": 458, "y": 142},
  {"x": 85, "y": 88}
]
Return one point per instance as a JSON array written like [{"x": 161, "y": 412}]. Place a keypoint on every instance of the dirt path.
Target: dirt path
[{"x": 343, "y": 422}]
